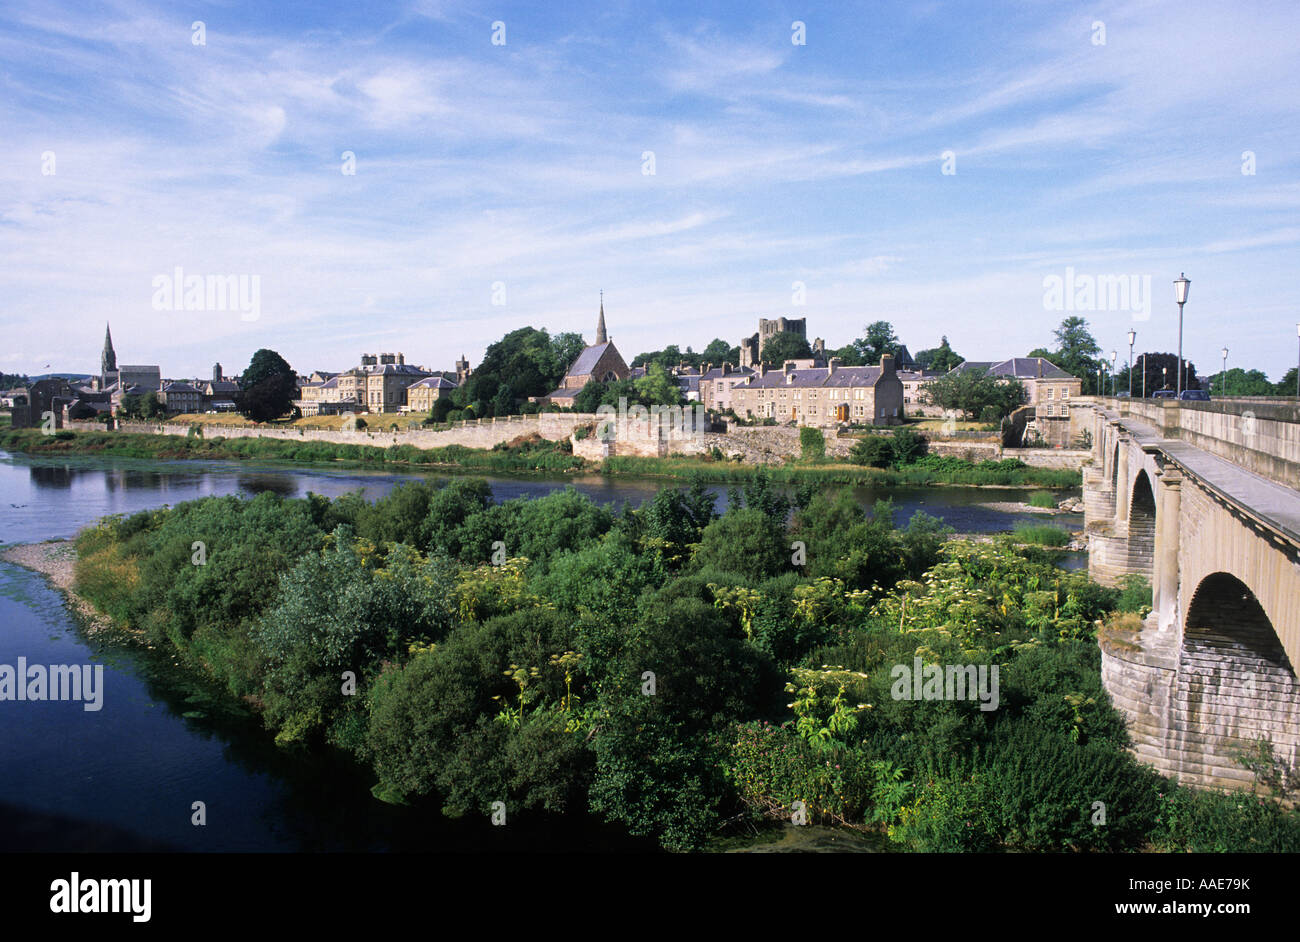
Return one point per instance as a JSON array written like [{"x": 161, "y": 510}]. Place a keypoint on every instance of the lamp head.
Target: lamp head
[{"x": 1180, "y": 288}]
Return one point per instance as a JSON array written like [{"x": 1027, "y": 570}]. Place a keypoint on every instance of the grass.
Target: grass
[
  {"x": 1005, "y": 473},
  {"x": 526, "y": 456},
  {"x": 1040, "y": 535},
  {"x": 1042, "y": 499}
]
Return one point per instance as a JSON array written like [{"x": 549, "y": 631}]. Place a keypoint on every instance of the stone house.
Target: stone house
[
  {"x": 421, "y": 396},
  {"x": 822, "y": 396},
  {"x": 716, "y": 384},
  {"x": 1048, "y": 388},
  {"x": 914, "y": 398},
  {"x": 180, "y": 398}
]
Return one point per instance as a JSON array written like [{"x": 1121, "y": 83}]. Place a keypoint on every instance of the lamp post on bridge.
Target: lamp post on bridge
[
  {"x": 1164, "y": 377},
  {"x": 1113, "y": 375},
  {"x": 1132, "y": 335},
  {"x": 1223, "y": 383},
  {"x": 1180, "y": 295}
]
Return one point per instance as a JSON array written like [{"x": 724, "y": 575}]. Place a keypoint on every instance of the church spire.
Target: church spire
[
  {"x": 600, "y": 323},
  {"x": 108, "y": 360}
]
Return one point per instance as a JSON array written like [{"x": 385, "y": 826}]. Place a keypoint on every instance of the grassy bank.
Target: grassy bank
[
  {"x": 1006, "y": 473},
  {"x": 529, "y": 453}
]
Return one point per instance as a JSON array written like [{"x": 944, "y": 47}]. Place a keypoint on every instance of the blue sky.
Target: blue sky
[{"x": 522, "y": 164}]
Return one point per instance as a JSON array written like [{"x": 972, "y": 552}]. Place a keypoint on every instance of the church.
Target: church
[{"x": 600, "y": 361}]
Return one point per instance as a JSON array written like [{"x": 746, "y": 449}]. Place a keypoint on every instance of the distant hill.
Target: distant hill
[{"x": 70, "y": 377}]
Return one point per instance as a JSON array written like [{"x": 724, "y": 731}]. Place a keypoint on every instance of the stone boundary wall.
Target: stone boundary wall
[
  {"x": 1067, "y": 459},
  {"x": 764, "y": 444},
  {"x": 482, "y": 433}
]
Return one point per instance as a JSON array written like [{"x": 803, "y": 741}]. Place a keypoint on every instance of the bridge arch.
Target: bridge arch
[
  {"x": 1235, "y": 683},
  {"x": 1142, "y": 523}
]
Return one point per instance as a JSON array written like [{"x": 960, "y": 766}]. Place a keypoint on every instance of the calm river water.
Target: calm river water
[{"x": 125, "y": 777}]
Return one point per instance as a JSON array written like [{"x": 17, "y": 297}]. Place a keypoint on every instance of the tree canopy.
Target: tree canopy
[
  {"x": 878, "y": 338},
  {"x": 941, "y": 358},
  {"x": 976, "y": 393},
  {"x": 267, "y": 388},
  {"x": 783, "y": 346}
]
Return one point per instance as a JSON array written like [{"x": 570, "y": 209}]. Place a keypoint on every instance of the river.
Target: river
[{"x": 126, "y": 777}]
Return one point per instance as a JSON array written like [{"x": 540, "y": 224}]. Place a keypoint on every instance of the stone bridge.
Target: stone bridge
[{"x": 1201, "y": 499}]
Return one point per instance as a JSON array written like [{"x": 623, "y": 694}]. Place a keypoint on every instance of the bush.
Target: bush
[
  {"x": 874, "y": 451},
  {"x": 812, "y": 443},
  {"x": 907, "y": 445},
  {"x": 1135, "y": 594},
  {"x": 1042, "y": 499}
]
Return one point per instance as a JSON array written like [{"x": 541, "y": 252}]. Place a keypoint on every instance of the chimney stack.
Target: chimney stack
[
  {"x": 887, "y": 365},
  {"x": 832, "y": 365},
  {"x": 726, "y": 369}
]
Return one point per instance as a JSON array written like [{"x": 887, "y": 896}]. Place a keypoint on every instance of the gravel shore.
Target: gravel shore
[{"x": 55, "y": 560}]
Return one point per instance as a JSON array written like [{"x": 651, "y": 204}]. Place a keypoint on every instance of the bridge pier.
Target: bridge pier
[{"x": 1164, "y": 584}]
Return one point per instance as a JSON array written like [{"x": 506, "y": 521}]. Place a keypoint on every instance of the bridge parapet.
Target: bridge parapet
[{"x": 1260, "y": 434}]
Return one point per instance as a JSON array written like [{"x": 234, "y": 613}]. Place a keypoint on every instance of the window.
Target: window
[
  {"x": 1051, "y": 392},
  {"x": 1065, "y": 392}
]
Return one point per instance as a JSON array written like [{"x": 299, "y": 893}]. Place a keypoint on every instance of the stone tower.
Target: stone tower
[
  {"x": 216, "y": 373},
  {"x": 600, "y": 323},
  {"x": 108, "y": 359}
]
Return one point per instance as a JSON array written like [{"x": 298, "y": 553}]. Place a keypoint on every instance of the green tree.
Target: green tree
[
  {"x": 657, "y": 388},
  {"x": 1239, "y": 382},
  {"x": 783, "y": 346},
  {"x": 878, "y": 338},
  {"x": 267, "y": 387},
  {"x": 940, "y": 359},
  {"x": 745, "y": 541},
  {"x": 719, "y": 351},
  {"x": 976, "y": 393}
]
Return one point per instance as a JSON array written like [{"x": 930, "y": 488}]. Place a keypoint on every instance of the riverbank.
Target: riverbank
[
  {"x": 527, "y": 455},
  {"x": 57, "y": 561}
]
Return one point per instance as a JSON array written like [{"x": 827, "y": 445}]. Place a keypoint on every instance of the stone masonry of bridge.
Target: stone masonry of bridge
[{"x": 1202, "y": 500}]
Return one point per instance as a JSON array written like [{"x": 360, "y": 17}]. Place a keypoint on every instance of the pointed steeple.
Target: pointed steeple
[
  {"x": 108, "y": 360},
  {"x": 600, "y": 323}
]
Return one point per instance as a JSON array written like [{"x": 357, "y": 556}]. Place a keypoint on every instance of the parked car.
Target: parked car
[
  {"x": 1164, "y": 394},
  {"x": 1195, "y": 395},
  {"x": 1123, "y": 394}
]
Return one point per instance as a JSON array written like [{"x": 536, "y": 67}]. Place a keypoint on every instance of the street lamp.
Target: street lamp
[
  {"x": 1101, "y": 387},
  {"x": 1132, "y": 335},
  {"x": 1223, "y": 383},
  {"x": 1113, "y": 377},
  {"x": 1144, "y": 375},
  {"x": 1164, "y": 377},
  {"x": 1180, "y": 295}
]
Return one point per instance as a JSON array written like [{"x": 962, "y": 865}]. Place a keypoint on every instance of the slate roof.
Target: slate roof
[
  {"x": 434, "y": 382},
  {"x": 588, "y": 358},
  {"x": 738, "y": 372},
  {"x": 843, "y": 376},
  {"x": 1019, "y": 367}
]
